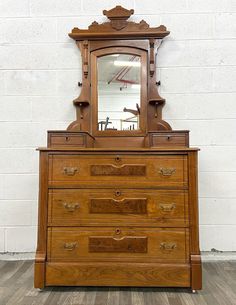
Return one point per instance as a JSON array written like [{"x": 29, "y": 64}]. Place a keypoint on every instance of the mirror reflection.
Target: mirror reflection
[{"x": 119, "y": 92}]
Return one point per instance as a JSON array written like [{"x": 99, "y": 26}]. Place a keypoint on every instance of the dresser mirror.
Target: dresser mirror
[
  {"x": 119, "y": 86},
  {"x": 118, "y": 91}
]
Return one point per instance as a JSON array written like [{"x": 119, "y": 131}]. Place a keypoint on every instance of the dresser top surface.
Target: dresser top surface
[{"x": 115, "y": 150}]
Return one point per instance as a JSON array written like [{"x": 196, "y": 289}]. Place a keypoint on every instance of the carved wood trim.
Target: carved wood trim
[
  {"x": 152, "y": 57},
  {"x": 85, "y": 58},
  {"x": 118, "y": 27}
]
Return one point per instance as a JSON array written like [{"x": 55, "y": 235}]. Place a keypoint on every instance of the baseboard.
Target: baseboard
[
  {"x": 207, "y": 256},
  {"x": 17, "y": 256}
]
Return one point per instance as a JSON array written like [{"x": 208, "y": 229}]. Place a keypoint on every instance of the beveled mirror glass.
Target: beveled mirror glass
[{"x": 119, "y": 88}]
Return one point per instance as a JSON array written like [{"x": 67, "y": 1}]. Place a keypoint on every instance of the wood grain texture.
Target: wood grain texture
[
  {"x": 60, "y": 138},
  {"x": 40, "y": 257},
  {"x": 118, "y": 206},
  {"x": 125, "y": 206},
  {"x": 114, "y": 170},
  {"x": 169, "y": 138},
  {"x": 154, "y": 174},
  {"x": 127, "y": 244},
  {"x": 117, "y": 274},
  {"x": 157, "y": 241},
  {"x": 196, "y": 276}
]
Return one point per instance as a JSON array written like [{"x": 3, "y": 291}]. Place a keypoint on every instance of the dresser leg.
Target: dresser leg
[
  {"x": 39, "y": 275},
  {"x": 196, "y": 273}
]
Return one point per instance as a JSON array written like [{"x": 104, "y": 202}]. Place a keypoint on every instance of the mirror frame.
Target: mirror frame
[
  {"x": 143, "y": 90},
  {"x": 118, "y": 35}
]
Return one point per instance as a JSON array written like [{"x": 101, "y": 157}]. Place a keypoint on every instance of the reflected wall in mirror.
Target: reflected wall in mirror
[{"x": 119, "y": 90}]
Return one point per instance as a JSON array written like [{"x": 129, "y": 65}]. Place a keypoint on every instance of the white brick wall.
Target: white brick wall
[{"x": 39, "y": 70}]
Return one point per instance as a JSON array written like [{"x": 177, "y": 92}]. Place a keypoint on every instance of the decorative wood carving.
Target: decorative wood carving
[
  {"x": 124, "y": 206},
  {"x": 118, "y": 17},
  {"x": 119, "y": 27},
  {"x": 85, "y": 58},
  {"x": 152, "y": 57},
  {"x": 126, "y": 244}
]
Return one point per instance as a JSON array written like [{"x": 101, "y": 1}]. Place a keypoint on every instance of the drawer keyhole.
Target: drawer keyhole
[
  {"x": 67, "y": 139},
  {"x": 118, "y": 231},
  {"x": 118, "y": 193},
  {"x": 118, "y": 159}
]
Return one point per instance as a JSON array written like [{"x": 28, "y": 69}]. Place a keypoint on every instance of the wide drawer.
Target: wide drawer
[
  {"x": 73, "y": 207},
  {"x": 113, "y": 243},
  {"x": 121, "y": 170},
  {"x": 117, "y": 274}
]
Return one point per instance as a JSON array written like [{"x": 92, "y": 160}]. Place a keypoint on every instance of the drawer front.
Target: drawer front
[
  {"x": 118, "y": 274},
  {"x": 126, "y": 170},
  {"x": 72, "y": 207},
  {"x": 172, "y": 139},
  {"x": 117, "y": 243},
  {"x": 66, "y": 139}
]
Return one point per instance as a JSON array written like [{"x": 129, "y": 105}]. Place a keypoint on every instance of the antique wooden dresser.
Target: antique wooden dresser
[{"x": 118, "y": 199}]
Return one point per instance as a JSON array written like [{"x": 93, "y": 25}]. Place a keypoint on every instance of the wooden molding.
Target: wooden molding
[{"x": 118, "y": 27}]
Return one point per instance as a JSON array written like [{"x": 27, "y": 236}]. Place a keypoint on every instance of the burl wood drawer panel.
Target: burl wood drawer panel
[
  {"x": 126, "y": 170},
  {"x": 145, "y": 207},
  {"x": 113, "y": 243},
  {"x": 117, "y": 274}
]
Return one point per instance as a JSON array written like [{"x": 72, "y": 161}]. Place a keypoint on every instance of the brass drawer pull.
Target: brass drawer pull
[
  {"x": 168, "y": 246},
  {"x": 70, "y": 207},
  {"x": 165, "y": 171},
  {"x": 70, "y": 171},
  {"x": 70, "y": 246},
  {"x": 167, "y": 207}
]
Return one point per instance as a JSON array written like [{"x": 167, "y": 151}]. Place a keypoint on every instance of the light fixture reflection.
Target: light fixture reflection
[
  {"x": 135, "y": 86},
  {"x": 127, "y": 63}
]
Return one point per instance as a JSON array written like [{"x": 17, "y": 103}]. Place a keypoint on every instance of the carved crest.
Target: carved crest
[
  {"x": 118, "y": 16},
  {"x": 119, "y": 27}
]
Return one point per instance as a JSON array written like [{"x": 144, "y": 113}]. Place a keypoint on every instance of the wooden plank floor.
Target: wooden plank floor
[{"x": 16, "y": 287}]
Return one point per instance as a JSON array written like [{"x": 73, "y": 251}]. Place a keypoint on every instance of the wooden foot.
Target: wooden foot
[{"x": 196, "y": 274}]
